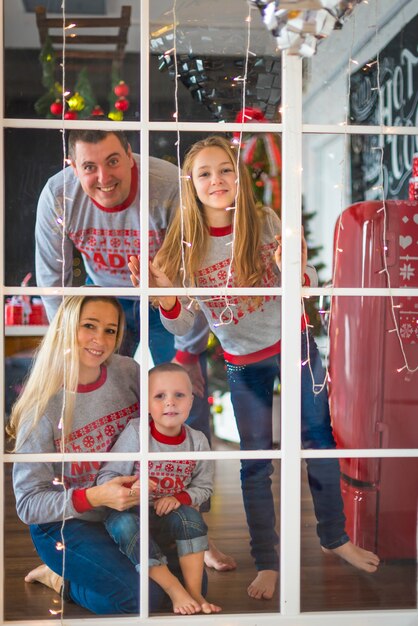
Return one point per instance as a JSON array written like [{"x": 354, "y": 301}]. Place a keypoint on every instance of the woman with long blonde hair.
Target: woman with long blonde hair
[
  {"x": 78, "y": 397},
  {"x": 221, "y": 238}
]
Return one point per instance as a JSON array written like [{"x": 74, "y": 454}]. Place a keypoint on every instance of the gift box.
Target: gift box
[
  {"x": 37, "y": 315},
  {"x": 14, "y": 314}
]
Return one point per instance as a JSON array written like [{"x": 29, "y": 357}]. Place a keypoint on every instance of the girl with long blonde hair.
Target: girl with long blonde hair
[{"x": 221, "y": 238}]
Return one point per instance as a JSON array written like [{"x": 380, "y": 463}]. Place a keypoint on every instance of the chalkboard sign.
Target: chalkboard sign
[{"x": 396, "y": 106}]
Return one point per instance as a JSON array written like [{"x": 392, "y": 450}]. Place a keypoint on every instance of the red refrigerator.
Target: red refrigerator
[{"x": 373, "y": 405}]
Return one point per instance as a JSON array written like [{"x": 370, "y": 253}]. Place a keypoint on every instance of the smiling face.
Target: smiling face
[
  {"x": 104, "y": 170},
  {"x": 96, "y": 337},
  {"x": 214, "y": 179},
  {"x": 170, "y": 401}
]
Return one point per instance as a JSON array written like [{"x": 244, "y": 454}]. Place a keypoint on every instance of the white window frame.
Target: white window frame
[{"x": 291, "y": 455}]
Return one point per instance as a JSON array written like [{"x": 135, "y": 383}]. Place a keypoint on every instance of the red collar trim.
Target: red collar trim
[
  {"x": 171, "y": 441},
  {"x": 129, "y": 199},
  {"x": 97, "y": 383},
  {"x": 220, "y": 231}
]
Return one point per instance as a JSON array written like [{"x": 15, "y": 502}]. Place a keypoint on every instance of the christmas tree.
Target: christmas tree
[{"x": 81, "y": 103}]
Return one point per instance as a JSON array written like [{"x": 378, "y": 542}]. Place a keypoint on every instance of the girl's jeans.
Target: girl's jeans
[
  {"x": 184, "y": 525},
  {"x": 252, "y": 399},
  {"x": 98, "y": 576}
]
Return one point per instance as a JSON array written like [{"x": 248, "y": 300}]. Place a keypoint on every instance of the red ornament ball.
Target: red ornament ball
[
  {"x": 56, "y": 107},
  {"x": 97, "y": 111},
  {"x": 121, "y": 89},
  {"x": 122, "y": 104},
  {"x": 70, "y": 115}
]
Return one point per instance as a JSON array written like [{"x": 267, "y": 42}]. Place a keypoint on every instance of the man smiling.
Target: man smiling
[{"x": 101, "y": 218}]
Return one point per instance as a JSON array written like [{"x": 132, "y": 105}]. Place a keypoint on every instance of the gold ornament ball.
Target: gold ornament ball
[
  {"x": 76, "y": 102},
  {"x": 218, "y": 408},
  {"x": 116, "y": 116}
]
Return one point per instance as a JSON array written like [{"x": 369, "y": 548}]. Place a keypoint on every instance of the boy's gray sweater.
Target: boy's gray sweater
[{"x": 178, "y": 477}]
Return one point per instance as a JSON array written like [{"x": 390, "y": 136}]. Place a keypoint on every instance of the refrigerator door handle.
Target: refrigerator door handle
[
  {"x": 392, "y": 254},
  {"x": 382, "y": 435}
]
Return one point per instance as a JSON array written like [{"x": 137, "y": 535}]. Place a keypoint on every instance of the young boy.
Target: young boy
[{"x": 177, "y": 488}]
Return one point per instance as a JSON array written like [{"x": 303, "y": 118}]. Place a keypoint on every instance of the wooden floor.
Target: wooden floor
[{"x": 326, "y": 582}]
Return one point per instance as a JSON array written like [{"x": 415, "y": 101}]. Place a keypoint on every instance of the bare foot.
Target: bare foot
[
  {"x": 216, "y": 559},
  {"x": 362, "y": 559},
  {"x": 183, "y": 603},
  {"x": 42, "y": 574},
  {"x": 263, "y": 585},
  {"x": 207, "y": 607}
]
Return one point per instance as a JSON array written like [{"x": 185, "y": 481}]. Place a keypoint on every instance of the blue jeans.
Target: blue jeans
[
  {"x": 184, "y": 525},
  {"x": 98, "y": 576},
  {"x": 161, "y": 345},
  {"x": 252, "y": 399}
]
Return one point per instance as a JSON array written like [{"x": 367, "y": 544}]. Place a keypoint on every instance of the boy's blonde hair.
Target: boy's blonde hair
[
  {"x": 56, "y": 365},
  {"x": 168, "y": 366},
  {"x": 247, "y": 262}
]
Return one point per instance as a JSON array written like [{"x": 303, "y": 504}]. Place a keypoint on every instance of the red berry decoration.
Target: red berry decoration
[
  {"x": 56, "y": 107},
  {"x": 70, "y": 115},
  {"x": 121, "y": 89},
  {"x": 97, "y": 111},
  {"x": 122, "y": 104}
]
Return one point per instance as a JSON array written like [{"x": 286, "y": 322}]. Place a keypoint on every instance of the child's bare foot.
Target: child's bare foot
[
  {"x": 183, "y": 603},
  {"x": 42, "y": 574},
  {"x": 216, "y": 559},
  {"x": 263, "y": 585},
  {"x": 207, "y": 607},
  {"x": 362, "y": 559}
]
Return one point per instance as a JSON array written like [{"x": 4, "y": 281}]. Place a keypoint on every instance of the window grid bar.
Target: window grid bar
[
  {"x": 144, "y": 308},
  {"x": 2, "y": 280},
  {"x": 325, "y": 453},
  {"x": 362, "y": 618},
  {"x": 210, "y": 291},
  {"x": 213, "y": 127},
  {"x": 291, "y": 336}
]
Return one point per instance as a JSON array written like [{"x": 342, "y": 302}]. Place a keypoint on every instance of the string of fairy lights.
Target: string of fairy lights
[
  {"x": 226, "y": 315},
  {"x": 318, "y": 386},
  {"x": 385, "y": 270},
  {"x": 379, "y": 188},
  {"x": 60, "y": 545}
]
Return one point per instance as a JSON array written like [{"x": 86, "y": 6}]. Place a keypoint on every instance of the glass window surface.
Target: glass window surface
[
  {"x": 358, "y": 362},
  {"x": 374, "y": 48},
  {"x": 370, "y": 508},
  {"x": 101, "y": 50}
]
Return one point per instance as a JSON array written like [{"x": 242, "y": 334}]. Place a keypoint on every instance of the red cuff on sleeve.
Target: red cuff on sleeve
[
  {"x": 186, "y": 358},
  {"x": 80, "y": 502},
  {"x": 307, "y": 281},
  {"x": 183, "y": 497},
  {"x": 173, "y": 313}
]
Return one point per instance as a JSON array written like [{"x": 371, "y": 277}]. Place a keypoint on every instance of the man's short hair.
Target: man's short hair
[{"x": 93, "y": 136}]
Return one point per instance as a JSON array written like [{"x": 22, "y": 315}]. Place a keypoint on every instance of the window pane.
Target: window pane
[
  {"x": 371, "y": 508},
  {"x": 102, "y": 56},
  {"x": 229, "y": 531},
  {"x": 355, "y": 235},
  {"x": 369, "y": 345},
  {"x": 376, "y": 44},
  {"x": 94, "y": 241},
  {"x": 211, "y": 54}
]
